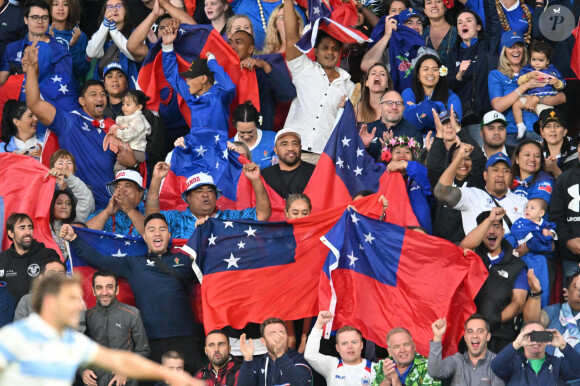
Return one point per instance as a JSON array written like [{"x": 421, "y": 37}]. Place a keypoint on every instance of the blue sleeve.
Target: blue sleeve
[
  {"x": 504, "y": 364},
  {"x": 60, "y": 124},
  {"x": 477, "y": 7},
  {"x": 492, "y": 27},
  {"x": 522, "y": 280},
  {"x": 453, "y": 100},
  {"x": 79, "y": 57},
  {"x": 418, "y": 172},
  {"x": 570, "y": 363},
  {"x": 223, "y": 80},
  {"x": 419, "y": 115},
  {"x": 495, "y": 84},
  {"x": 295, "y": 373},
  {"x": 281, "y": 86},
  {"x": 171, "y": 73},
  {"x": 119, "y": 265},
  {"x": 247, "y": 376}
]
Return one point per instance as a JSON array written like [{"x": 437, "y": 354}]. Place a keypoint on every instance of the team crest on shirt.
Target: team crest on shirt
[
  {"x": 33, "y": 270},
  {"x": 365, "y": 380},
  {"x": 176, "y": 260},
  {"x": 150, "y": 263},
  {"x": 503, "y": 274}
]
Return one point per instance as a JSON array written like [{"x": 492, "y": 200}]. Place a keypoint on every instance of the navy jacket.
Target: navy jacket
[
  {"x": 515, "y": 369},
  {"x": 290, "y": 369},
  {"x": 161, "y": 298}
]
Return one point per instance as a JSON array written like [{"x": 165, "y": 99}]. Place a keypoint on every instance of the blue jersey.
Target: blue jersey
[
  {"x": 212, "y": 109},
  {"x": 263, "y": 149},
  {"x": 120, "y": 223},
  {"x": 419, "y": 113},
  {"x": 78, "y": 51},
  {"x": 95, "y": 167},
  {"x": 516, "y": 18},
  {"x": 419, "y": 191},
  {"x": 182, "y": 222},
  {"x": 540, "y": 188}
]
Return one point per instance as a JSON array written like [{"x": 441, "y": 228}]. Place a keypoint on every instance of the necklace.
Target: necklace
[{"x": 262, "y": 14}]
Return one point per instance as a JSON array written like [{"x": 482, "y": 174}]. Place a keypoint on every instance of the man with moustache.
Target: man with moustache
[
  {"x": 114, "y": 325},
  {"x": 471, "y": 368},
  {"x": 291, "y": 174},
  {"x": 20, "y": 264},
  {"x": 223, "y": 369}
]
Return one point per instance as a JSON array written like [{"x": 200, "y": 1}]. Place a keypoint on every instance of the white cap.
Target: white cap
[
  {"x": 284, "y": 132},
  {"x": 127, "y": 175},
  {"x": 198, "y": 180},
  {"x": 493, "y": 116}
]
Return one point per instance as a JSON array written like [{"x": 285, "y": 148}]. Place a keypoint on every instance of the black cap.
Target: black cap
[
  {"x": 198, "y": 68},
  {"x": 549, "y": 115}
]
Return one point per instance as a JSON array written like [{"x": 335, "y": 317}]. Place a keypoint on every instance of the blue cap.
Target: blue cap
[
  {"x": 407, "y": 13},
  {"x": 446, "y": 115},
  {"x": 509, "y": 38},
  {"x": 114, "y": 66},
  {"x": 498, "y": 157},
  {"x": 543, "y": 191}
]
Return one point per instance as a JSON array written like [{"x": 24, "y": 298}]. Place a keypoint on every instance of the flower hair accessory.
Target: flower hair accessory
[
  {"x": 443, "y": 71},
  {"x": 403, "y": 140}
]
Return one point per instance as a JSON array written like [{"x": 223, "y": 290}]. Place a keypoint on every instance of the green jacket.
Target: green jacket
[{"x": 417, "y": 377}]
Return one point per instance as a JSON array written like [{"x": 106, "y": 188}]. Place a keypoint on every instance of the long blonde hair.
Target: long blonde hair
[
  {"x": 272, "y": 42},
  {"x": 231, "y": 20},
  {"x": 504, "y": 63}
]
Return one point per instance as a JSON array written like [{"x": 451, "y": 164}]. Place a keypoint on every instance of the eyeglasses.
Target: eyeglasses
[
  {"x": 391, "y": 103},
  {"x": 118, "y": 7},
  {"x": 37, "y": 18}
]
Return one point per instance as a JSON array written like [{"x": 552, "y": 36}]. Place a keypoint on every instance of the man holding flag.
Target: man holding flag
[
  {"x": 201, "y": 195},
  {"x": 321, "y": 81},
  {"x": 161, "y": 282}
]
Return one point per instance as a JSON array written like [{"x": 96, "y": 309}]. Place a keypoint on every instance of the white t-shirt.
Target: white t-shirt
[
  {"x": 334, "y": 371},
  {"x": 474, "y": 201}
]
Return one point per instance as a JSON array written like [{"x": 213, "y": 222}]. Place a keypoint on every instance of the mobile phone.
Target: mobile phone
[{"x": 541, "y": 336}]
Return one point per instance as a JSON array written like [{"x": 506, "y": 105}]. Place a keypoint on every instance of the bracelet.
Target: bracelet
[
  {"x": 536, "y": 294},
  {"x": 519, "y": 93}
]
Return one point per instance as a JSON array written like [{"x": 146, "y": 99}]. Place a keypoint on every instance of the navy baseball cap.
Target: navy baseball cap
[
  {"x": 444, "y": 116},
  {"x": 498, "y": 157},
  {"x": 509, "y": 38},
  {"x": 407, "y": 13}
]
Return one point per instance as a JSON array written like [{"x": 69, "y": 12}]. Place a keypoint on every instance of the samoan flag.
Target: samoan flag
[
  {"x": 192, "y": 42},
  {"x": 378, "y": 276},
  {"x": 246, "y": 266},
  {"x": 347, "y": 169},
  {"x": 322, "y": 17},
  {"x": 403, "y": 47},
  {"x": 228, "y": 182}
]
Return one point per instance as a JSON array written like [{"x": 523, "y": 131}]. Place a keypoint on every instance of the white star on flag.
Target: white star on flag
[
  {"x": 352, "y": 258},
  {"x": 251, "y": 231},
  {"x": 217, "y": 165},
  {"x": 359, "y": 152},
  {"x": 228, "y": 224},
  {"x": 361, "y": 247},
  {"x": 217, "y": 138},
  {"x": 232, "y": 261},
  {"x": 345, "y": 141},
  {"x": 241, "y": 245},
  {"x": 63, "y": 88},
  {"x": 56, "y": 78},
  {"x": 119, "y": 254},
  {"x": 369, "y": 238},
  {"x": 117, "y": 236},
  {"x": 357, "y": 171},
  {"x": 211, "y": 240},
  {"x": 127, "y": 243},
  {"x": 340, "y": 162},
  {"x": 316, "y": 10},
  {"x": 225, "y": 153},
  {"x": 354, "y": 218},
  {"x": 201, "y": 151}
]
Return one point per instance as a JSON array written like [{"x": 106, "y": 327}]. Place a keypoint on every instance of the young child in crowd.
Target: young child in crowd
[
  {"x": 131, "y": 128},
  {"x": 538, "y": 235},
  {"x": 540, "y": 62}
]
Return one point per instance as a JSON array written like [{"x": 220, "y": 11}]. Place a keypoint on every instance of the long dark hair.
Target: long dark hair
[
  {"x": 367, "y": 110},
  {"x": 127, "y": 26},
  {"x": 441, "y": 92},
  {"x": 517, "y": 151},
  {"x": 74, "y": 13},
  {"x": 478, "y": 22},
  {"x": 13, "y": 109},
  {"x": 246, "y": 112},
  {"x": 73, "y": 212},
  {"x": 564, "y": 148}
]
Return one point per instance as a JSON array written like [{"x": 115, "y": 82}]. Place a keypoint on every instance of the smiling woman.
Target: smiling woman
[{"x": 19, "y": 130}]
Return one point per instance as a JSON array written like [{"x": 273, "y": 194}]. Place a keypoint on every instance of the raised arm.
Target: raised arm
[
  {"x": 222, "y": 79},
  {"x": 375, "y": 54},
  {"x": 95, "y": 46},
  {"x": 170, "y": 69},
  {"x": 44, "y": 111},
  {"x": 475, "y": 237},
  {"x": 291, "y": 30},
  {"x": 159, "y": 172},
  {"x": 263, "y": 207},
  {"x": 136, "y": 42}
]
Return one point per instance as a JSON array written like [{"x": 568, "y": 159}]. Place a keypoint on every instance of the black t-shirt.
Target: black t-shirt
[
  {"x": 287, "y": 182},
  {"x": 12, "y": 25}
]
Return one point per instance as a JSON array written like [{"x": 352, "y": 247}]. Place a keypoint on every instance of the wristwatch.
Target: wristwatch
[{"x": 536, "y": 294}]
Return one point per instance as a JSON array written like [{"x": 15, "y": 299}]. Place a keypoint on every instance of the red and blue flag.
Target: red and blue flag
[{"x": 378, "y": 276}]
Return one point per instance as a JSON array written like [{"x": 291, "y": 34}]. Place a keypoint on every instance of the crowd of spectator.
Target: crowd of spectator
[{"x": 476, "y": 112}]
